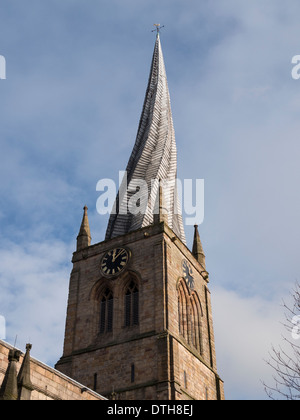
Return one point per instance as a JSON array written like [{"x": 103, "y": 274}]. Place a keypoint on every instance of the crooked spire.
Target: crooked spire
[
  {"x": 154, "y": 157},
  {"x": 84, "y": 236}
]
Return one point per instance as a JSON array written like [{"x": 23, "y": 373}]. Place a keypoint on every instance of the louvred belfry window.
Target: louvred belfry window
[
  {"x": 132, "y": 305},
  {"x": 106, "y": 312}
]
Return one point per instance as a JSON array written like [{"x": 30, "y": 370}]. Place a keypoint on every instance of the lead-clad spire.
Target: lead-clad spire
[{"x": 154, "y": 157}]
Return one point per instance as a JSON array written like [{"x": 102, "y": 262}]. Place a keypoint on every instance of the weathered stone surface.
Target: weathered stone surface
[
  {"x": 159, "y": 351},
  {"x": 45, "y": 383}
]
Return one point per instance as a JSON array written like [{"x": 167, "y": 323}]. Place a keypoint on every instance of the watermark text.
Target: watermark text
[
  {"x": 137, "y": 197},
  {"x": 296, "y": 328},
  {"x": 2, "y": 328},
  {"x": 2, "y": 67}
]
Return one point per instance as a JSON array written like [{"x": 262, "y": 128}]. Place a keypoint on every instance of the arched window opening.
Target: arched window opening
[
  {"x": 196, "y": 323},
  {"x": 132, "y": 305},
  {"x": 194, "y": 327},
  {"x": 179, "y": 315},
  {"x": 182, "y": 312},
  {"x": 189, "y": 317},
  {"x": 106, "y": 312}
]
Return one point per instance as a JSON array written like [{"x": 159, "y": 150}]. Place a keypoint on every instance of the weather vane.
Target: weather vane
[{"x": 158, "y": 27}]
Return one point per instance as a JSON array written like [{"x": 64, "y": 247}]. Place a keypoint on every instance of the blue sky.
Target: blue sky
[{"x": 69, "y": 110}]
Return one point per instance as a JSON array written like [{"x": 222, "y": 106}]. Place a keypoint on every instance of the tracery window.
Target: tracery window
[
  {"x": 132, "y": 305},
  {"x": 182, "y": 311},
  {"x": 196, "y": 335},
  {"x": 106, "y": 312},
  {"x": 189, "y": 316}
]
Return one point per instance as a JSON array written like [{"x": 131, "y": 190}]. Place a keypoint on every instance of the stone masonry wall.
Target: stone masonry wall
[
  {"x": 48, "y": 383},
  {"x": 159, "y": 353}
]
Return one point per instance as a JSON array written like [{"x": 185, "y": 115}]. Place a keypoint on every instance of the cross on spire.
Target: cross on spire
[{"x": 158, "y": 27}]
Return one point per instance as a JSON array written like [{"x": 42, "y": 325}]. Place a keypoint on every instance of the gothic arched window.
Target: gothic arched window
[
  {"x": 196, "y": 333},
  {"x": 106, "y": 311},
  {"x": 183, "y": 310},
  {"x": 189, "y": 316},
  {"x": 132, "y": 305}
]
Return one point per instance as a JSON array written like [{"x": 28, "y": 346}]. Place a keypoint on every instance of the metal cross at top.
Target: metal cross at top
[{"x": 158, "y": 27}]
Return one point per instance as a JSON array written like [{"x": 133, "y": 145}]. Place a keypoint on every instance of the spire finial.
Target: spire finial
[
  {"x": 9, "y": 388},
  {"x": 158, "y": 27},
  {"x": 84, "y": 236},
  {"x": 197, "y": 248},
  {"x": 24, "y": 381}
]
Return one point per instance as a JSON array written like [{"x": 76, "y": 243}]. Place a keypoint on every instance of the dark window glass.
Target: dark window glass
[
  {"x": 110, "y": 309},
  {"x": 106, "y": 312},
  {"x": 135, "y": 307},
  {"x": 132, "y": 305},
  {"x": 132, "y": 373},
  {"x": 127, "y": 308}
]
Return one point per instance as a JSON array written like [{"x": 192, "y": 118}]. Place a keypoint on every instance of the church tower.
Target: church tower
[{"x": 139, "y": 320}]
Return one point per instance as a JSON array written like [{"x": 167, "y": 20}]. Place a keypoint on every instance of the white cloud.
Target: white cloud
[
  {"x": 33, "y": 299},
  {"x": 245, "y": 330}
]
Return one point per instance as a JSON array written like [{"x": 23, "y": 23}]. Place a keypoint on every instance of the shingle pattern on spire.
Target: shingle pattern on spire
[{"x": 154, "y": 156}]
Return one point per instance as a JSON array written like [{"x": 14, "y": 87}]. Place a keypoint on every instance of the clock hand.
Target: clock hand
[{"x": 116, "y": 256}]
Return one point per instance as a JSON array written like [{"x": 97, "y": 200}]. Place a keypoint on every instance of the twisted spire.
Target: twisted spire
[{"x": 154, "y": 157}]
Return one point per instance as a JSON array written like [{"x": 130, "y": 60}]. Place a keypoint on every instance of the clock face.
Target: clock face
[
  {"x": 114, "y": 261},
  {"x": 187, "y": 274}
]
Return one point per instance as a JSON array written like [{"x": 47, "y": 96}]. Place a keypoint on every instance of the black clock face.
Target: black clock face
[
  {"x": 114, "y": 261},
  {"x": 187, "y": 274}
]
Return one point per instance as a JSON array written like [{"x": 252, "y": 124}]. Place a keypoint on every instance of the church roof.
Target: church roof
[
  {"x": 42, "y": 381},
  {"x": 154, "y": 157}
]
